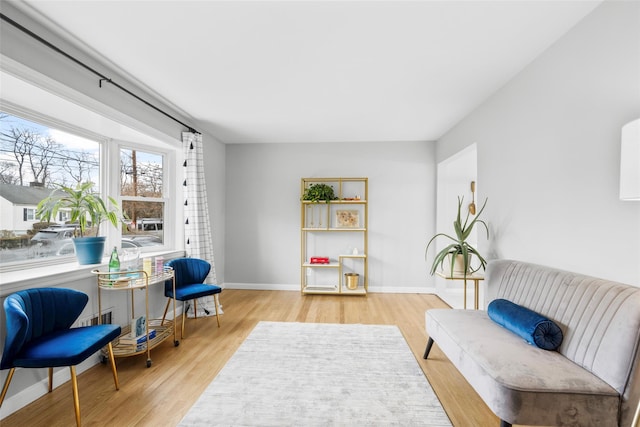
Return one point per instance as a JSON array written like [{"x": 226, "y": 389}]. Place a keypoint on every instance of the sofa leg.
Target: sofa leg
[
  {"x": 503, "y": 423},
  {"x": 428, "y": 349}
]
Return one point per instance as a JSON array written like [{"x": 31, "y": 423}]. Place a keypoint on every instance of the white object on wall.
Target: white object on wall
[{"x": 630, "y": 161}]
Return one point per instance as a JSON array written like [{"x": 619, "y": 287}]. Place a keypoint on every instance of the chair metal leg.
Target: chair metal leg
[
  {"x": 112, "y": 359},
  {"x": 50, "y": 380},
  {"x": 195, "y": 308},
  {"x": 6, "y": 385},
  {"x": 216, "y": 302},
  {"x": 428, "y": 349},
  {"x": 184, "y": 316},
  {"x": 76, "y": 400},
  {"x": 165, "y": 311}
]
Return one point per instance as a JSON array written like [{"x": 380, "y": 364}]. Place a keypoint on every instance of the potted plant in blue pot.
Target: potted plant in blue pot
[{"x": 87, "y": 209}]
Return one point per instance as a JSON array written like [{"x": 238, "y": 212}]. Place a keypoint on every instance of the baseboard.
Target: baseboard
[
  {"x": 402, "y": 289},
  {"x": 260, "y": 286}
]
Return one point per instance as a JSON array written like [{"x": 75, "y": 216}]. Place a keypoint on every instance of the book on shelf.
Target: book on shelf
[
  {"x": 138, "y": 326},
  {"x": 140, "y": 339}
]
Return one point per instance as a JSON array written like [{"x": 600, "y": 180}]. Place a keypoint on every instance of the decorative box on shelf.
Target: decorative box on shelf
[{"x": 319, "y": 260}]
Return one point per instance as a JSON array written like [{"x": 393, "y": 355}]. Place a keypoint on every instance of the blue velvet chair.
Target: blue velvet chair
[
  {"x": 190, "y": 274},
  {"x": 39, "y": 335}
]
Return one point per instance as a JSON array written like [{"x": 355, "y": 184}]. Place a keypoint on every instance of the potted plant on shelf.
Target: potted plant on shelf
[
  {"x": 319, "y": 192},
  {"x": 87, "y": 209},
  {"x": 457, "y": 255}
]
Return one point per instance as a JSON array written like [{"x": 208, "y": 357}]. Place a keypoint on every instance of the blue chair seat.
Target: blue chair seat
[
  {"x": 193, "y": 291},
  {"x": 65, "y": 348},
  {"x": 190, "y": 275},
  {"x": 39, "y": 335}
]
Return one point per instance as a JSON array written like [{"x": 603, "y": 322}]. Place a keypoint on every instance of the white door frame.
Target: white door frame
[{"x": 454, "y": 176}]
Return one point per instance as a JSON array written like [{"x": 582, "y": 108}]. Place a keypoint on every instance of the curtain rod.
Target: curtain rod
[{"x": 103, "y": 78}]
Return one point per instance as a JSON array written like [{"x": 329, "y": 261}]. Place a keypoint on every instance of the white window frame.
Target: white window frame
[
  {"x": 24, "y": 81},
  {"x": 109, "y": 184},
  {"x": 168, "y": 190},
  {"x": 29, "y": 214}
]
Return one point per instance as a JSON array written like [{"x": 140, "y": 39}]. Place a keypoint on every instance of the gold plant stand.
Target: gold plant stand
[{"x": 475, "y": 278}]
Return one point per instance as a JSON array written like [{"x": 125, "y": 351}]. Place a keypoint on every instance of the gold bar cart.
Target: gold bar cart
[{"x": 131, "y": 281}]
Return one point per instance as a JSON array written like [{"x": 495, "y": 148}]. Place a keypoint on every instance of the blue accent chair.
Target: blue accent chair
[
  {"x": 190, "y": 274},
  {"x": 39, "y": 335}
]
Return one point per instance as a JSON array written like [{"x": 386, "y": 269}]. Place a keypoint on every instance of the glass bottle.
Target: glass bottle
[{"x": 114, "y": 263}]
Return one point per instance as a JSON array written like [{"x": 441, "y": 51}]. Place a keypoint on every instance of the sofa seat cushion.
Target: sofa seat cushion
[{"x": 517, "y": 379}]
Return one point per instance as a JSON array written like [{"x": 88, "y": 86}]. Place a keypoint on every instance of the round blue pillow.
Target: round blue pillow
[{"x": 533, "y": 327}]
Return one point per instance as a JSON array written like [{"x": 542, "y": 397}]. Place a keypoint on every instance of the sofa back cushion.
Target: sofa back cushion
[{"x": 600, "y": 319}]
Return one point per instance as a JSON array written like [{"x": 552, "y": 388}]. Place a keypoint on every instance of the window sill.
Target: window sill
[{"x": 13, "y": 281}]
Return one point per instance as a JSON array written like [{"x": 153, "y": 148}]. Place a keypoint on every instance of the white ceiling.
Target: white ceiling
[{"x": 318, "y": 71}]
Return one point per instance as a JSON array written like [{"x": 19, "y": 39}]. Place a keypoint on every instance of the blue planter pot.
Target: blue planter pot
[{"x": 89, "y": 250}]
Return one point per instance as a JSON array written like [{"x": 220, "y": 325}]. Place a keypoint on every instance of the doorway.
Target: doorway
[{"x": 454, "y": 177}]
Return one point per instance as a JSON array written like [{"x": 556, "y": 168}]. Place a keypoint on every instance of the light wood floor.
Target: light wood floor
[{"x": 162, "y": 394}]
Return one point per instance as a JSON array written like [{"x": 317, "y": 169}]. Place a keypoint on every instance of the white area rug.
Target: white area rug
[{"x": 313, "y": 374}]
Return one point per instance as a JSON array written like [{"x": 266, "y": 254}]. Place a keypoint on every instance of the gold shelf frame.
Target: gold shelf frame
[{"x": 308, "y": 220}]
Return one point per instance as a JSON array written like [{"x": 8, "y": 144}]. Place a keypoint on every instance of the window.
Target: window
[
  {"x": 34, "y": 158},
  {"x": 36, "y": 154},
  {"x": 142, "y": 195},
  {"x": 28, "y": 214}
]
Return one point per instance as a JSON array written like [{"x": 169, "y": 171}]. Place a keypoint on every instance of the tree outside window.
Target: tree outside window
[
  {"x": 35, "y": 158},
  {"x": 141, "y": 191}
]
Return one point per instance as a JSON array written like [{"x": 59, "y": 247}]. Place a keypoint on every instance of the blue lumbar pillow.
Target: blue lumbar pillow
[{"x": 533, "y": 327}]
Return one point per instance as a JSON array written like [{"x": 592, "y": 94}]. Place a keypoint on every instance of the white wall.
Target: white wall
[
  {"x": 263, "y": 210},
  {"x": 215, "y": 175},
  {"x": 549, "y": 151}
]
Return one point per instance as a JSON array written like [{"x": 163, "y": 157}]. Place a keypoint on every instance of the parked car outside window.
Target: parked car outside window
[{"x": 51, "y": 239}]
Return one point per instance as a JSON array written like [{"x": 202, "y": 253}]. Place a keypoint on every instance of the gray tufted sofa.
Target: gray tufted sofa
[{"x": 593, "y": 379}]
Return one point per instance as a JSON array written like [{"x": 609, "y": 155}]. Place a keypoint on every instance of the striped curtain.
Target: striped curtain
[{"x": 197, "y": 229}]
